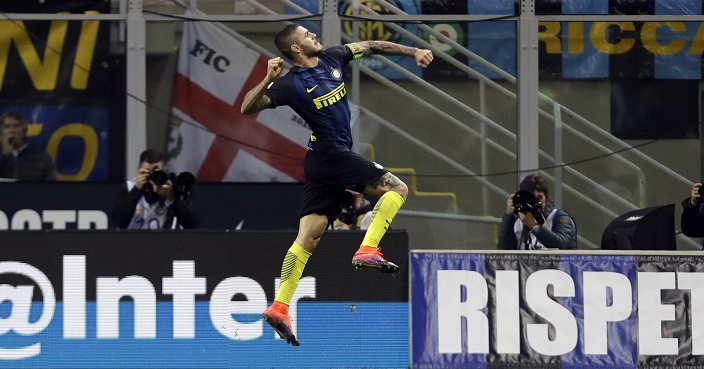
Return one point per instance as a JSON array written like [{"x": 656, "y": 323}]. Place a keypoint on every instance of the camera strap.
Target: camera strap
[{"x": 525, "y": 239}]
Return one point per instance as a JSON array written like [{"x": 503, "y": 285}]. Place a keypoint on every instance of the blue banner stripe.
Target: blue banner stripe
[
  {"x": 589, "y": 63},
  {"x": 332, "y": 335},
  {"x": 670, "y": 7},
  {"x": 681, "y": 65},
  {"x": 490, "y": 7}
]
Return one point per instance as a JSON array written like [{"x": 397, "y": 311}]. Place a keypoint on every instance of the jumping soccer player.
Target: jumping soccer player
[{"x": 314, "y": 88}]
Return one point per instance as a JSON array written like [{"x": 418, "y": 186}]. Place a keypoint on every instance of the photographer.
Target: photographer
[
  {"x": 692, "y": 222},
  {"x": 356, "y": 212},
  {"x": 20, "y": 159},
  {"x": 152, "y": 201},
  {"x": 533, "y": 222}
]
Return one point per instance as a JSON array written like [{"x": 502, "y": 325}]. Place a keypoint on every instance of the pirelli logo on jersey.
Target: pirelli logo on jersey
[
  {"x": 330, "y": 97},
  {"x": 357, "y": 51}
]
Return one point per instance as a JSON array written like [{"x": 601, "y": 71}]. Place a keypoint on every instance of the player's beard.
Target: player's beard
[{"x": 314, "y": 52}]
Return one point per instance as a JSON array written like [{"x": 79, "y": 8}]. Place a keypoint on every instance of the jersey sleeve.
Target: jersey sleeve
[
  {"x": 276, "y": 93},
  {"x": 342, "y": 54}
]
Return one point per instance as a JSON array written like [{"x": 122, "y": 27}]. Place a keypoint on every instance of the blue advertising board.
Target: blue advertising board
[
  {"x": 556, "y": 310},
  {"x": 571, "y": 50},
  {"x": 102, "y": 299}
]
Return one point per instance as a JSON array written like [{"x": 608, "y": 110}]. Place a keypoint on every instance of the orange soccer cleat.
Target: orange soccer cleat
[
  {"x": 372, "y": 257},
  {"x": 281, "y": 322}
]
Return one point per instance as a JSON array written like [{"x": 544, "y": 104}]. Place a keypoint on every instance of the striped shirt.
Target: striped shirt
[{"x": 319, "y": 96}]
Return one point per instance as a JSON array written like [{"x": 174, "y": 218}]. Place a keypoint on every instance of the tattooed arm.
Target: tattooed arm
[
  {"x": 423, "y": 57},
  {"x": 255, "y": 100}
]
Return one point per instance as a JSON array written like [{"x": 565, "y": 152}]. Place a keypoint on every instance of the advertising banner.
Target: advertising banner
[
  {"x": 570, "y": 50},
  {"x": 194, "y": 300},
  {"x": 547, "y": 310},
  {"x": 60, "y": 76},
  {"x": 86, "y": 206}
]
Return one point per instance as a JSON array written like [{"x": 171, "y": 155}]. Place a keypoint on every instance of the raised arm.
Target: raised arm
[
  {"x": 255, "y": 100},
  {"x": 423, "y": 57}
]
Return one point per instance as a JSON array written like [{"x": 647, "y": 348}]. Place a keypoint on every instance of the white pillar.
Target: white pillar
[
  {"x": 527, "y": 129},
  {"x": 136, "y": 125}
]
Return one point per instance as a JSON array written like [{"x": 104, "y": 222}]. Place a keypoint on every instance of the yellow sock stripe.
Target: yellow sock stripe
[
  {"x": 287, "y": 266},
  {"x": 299, "y": 251},
  {"x": 291, "y": 272},
  {"x": 391, "y": 195},
  {"x": 376, "y": 209}
]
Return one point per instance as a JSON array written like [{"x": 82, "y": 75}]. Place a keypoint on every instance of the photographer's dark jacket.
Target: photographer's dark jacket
[
  {"x": 692, "y": 221},
  {"x": 133, "y": 211},
  {"x": 29, "y": 164},
  {"x": 558, "y": 232}
]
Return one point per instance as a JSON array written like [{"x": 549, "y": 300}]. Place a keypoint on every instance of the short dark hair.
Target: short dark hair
[
  {"x": 284, "y": 39},
  {"x": 534, "y": 182},
  {"x": 15, "y": 115},
  {"x": 151, "y": 156}
]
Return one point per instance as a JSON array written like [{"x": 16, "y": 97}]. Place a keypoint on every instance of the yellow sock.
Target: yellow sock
[
  {"x": 291, "y": 272},
  {"x": 384, "y": 212}
]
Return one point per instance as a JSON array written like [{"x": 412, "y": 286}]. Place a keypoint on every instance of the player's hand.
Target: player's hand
[
  {"x": 423, "y": 57},
  {"x": 274, "y": 68}
]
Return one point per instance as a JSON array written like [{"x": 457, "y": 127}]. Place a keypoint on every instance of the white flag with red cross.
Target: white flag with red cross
[{"x": 209, "y": 137}]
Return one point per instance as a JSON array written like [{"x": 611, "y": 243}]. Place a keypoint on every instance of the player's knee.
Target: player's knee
[
  {"x": 401, "y": 189},
  {"x": 308, "y": 242}
]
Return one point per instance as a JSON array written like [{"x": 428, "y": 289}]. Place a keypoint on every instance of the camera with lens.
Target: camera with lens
[
  {"x": 158, "y": 176},
  {"x": 526, "y": 202},
  {"x": 700, "y": 190},
  {"x": 348, "y": 212},
  {"x": 183, "y": 184}
]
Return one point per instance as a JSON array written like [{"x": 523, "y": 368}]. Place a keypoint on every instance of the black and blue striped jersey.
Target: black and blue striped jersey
[{"x": 319, "y": 96}]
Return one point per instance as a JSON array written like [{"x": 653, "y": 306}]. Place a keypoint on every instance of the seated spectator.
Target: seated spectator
[
  {"x": 19, "y": 159},
  {"x": 150, "y": 201},
  {"x": 692, "y": 221},
  {"x": 543, "y": 226}
]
